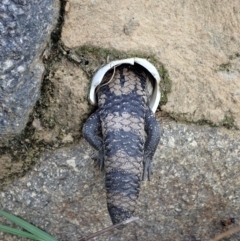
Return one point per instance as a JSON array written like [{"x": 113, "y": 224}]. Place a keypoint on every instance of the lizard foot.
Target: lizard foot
[
  {"x": 99, "y": 160},
  {"x": 147, "y": 168}
]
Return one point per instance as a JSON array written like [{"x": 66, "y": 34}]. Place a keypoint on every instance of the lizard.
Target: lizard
[{"x": 125, "y": 133}]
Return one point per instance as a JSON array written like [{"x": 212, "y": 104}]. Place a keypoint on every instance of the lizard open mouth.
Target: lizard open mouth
[{"x": 98, "y": 77}]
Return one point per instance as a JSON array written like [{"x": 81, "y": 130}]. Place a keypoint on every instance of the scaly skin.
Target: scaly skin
[{"x": 129, "y": 136}]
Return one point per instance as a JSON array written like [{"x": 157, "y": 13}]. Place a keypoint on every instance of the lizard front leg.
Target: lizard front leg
[
  {"x": 90, "y": 132},
  {"x": 153, "y": 137}
]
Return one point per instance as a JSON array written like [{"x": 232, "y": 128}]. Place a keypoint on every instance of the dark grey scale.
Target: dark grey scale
[
  {"x": 111, "y": 97},
  {"x": 118, "y": 214},
  {"x": 123, "y": 185},
  {"x": 113, "y": 101},
  {"x": 135, "y": 149},
  {"x": 122, "y": 79},
  {"x": 119, "y": 183}
]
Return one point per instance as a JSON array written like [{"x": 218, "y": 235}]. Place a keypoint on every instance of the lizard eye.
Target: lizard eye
[{"x": 98, "y": 77}]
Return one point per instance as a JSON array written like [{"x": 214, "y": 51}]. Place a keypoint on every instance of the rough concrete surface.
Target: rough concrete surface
[
  {"x": 195, "y": 185},
  {"x": 197, "y": 41},
  {"x": 66, "y": 103},
  {"x": 56, "y": 120},
  {"x": 25, "y": 28}
]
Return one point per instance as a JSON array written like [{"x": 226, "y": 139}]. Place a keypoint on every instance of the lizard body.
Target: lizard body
[{"x": 129, "y": 135}]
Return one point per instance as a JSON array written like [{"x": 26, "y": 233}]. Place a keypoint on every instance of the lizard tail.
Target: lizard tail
[{"x": 122, "y": 193}]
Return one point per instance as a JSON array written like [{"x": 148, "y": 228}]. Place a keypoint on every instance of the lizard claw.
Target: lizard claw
[
  {"x": 147, "y": 168},
  {"x": 99, "y": 160}
]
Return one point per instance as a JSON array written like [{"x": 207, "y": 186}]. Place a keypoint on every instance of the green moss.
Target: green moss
[
  {"x": 92, "y": 58},
  {"x": 206, "y": 122},
  {"x": 23, "y": 150},
  {"x": 234, "y": 56},
  {"x": 225, "y": 67},
  {"x": 228, "y": 122}
]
